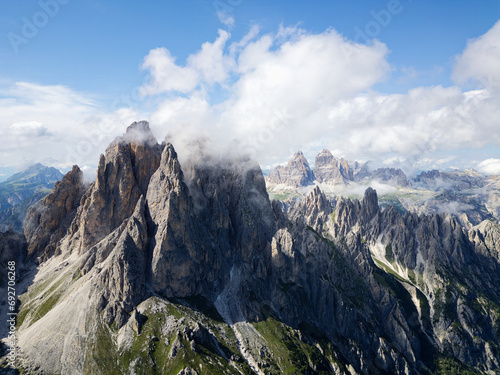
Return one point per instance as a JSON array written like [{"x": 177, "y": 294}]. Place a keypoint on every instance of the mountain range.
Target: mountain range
[
  {"x": 22, "y": 190},
  {"x": 468, "y": 195},
  {"x": 158, "y": 267}
]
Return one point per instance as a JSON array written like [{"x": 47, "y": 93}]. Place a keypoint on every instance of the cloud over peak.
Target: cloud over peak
[{"x": 278, "y": 87}]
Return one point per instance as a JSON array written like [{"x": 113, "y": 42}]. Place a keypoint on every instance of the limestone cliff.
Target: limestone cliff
[
  {"x": 170, "y": 268},
  {"x": 47, "y": 220},
  {"x": 296, "y": 173}
]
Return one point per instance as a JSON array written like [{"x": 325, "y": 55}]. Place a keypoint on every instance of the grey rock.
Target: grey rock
[
  {"x": 327, "y": 169},
  {"x": 187, "y": 371},
  {"x": 48, "y": 220},
  {"x": 122, "y": 177},
  {"x": 377, "y": 287},
  {"x": 175, "y": 249},
  {"x": 296, "y": 173},
  {"x": 457, "y": 180}
]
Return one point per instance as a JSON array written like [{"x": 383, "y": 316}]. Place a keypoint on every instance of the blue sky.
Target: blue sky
[{"x": 67, "y": 67}]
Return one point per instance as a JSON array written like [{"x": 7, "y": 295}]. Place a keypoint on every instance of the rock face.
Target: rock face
[
  {"x": 122, "y": 177},
  {"x": 165, "y": 265},
  {"x": 427, "y": 252},
  {"x": 330, "y": 170},
  {"x": 296, "y": 173},
  {"x": 467, "y": 195},
  {"x": 175, "y": 250},
  {"x": 392, "y": 176},
  {"x": 47, "y": 221}
]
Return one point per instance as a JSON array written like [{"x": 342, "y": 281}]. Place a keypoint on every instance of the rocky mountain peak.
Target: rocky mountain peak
[
  {"x": 326, "y": 168},
  {"x": 139, "y": 132},
  {"x": 299, "y": 156},
  {"x": 37, "y": 173},
  {"x": 123, "y": 175},
  {"x": 325, "y": 157},
  {"x": 323, "y": 160},
  {"x": 205, "y": 269},
  {"x": 47, "y": 221},
  {"x": 345, "y": 169},
  {"x": 370, "y": 204},
  {"x": 391, "y": 176},
  {"x": 170, "y": 162},
  {"x": 315, "y": 209},
  {"x": 296, "y": 173}
]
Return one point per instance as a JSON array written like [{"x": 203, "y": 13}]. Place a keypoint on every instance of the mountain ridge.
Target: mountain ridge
[
  {"x": 170, "y": 268},
  {"x": 468, "y": 195}
]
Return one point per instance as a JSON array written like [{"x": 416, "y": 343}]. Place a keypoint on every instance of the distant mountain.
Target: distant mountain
[
  {"x": 456, "y": 180},
  {"x": 468, "y": 195},
  {"x": 329, "y": 170},
  {"x": 296, "y": 173},
  {"x": 23, "y": 189}
]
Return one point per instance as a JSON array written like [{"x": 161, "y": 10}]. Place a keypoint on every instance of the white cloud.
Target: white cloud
[
  {"x": 276, "y": 93},
  {"x": 295, "y": 90},
  {"x": 226, "y": 18},
  {"x": 489, "y": 167},
  {"x": 54, "y": 125},
  {"x": 209, "y": 65},
  {"x": 166, "y": 75},
  {"x": 211, "y": 62},
  {"x": 284, "y": 86},
  {"x": 480, "y": 61},
  {"x": 29, "y": 129},
  {"x": 415, "y": 124}
]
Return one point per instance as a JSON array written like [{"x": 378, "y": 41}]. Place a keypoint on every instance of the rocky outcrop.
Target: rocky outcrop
[
  {"x": 296, "y": 173},
  {"x": 331, "y": 171},
  {"x": 326, "y": 169},
  {"x": 48, "y": 220},
  {"x": 334, "y": 273},
  {"x": 430, "y": 294},
  {"x": 123, "y": 174},
  {"x": 175, "y": 249},
  {"x": 121, "y": 279}
]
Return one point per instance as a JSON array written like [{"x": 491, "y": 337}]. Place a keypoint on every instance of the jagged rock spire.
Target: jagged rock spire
[
  {"x": 370, "y": 204},
  {"x": 47, "y": 221}
]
